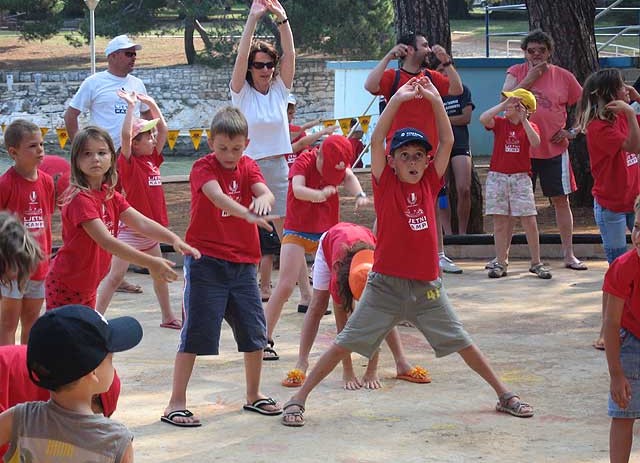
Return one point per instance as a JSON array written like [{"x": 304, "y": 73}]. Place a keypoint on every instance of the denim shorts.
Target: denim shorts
[
  {"x": 32, "y": 290},
  {"x": 216, "y": 289},
  {"x": 613, "y": 228},
  {"x": 630, "y": 360}
]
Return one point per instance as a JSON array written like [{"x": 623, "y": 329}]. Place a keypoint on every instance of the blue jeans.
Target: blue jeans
[{"x": 613, "y": 228}]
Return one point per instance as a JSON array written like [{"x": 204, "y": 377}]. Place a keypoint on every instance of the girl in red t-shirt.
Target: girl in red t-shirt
[
  {"x": 91, "y": 212},
  {"x": 312, "y": 208},
  {"x": 613, "y": 142},
  {"x": 139, "y": 174}
]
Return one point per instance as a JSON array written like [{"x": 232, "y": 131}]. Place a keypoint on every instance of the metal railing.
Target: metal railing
[{"x": 621, "y": 31}]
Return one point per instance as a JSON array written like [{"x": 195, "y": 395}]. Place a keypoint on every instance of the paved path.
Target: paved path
[{"x": 536, "y": 333}]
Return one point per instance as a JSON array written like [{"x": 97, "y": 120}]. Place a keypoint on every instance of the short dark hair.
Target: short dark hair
[
  {"x": 537, "y": 36},
  {"x": 411, "y": 38},
  {"x": 15, "y": 132},
  {"x": 229, "y": 121}
]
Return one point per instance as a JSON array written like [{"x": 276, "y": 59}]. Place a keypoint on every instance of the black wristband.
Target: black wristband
[{"x": 284, "y": 21}]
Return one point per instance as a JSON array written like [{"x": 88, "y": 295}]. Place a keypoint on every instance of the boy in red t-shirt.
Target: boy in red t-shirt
[
  {"x": 30, "y": 194},
  {"x": 400, "y": 289},
  {"x": 228, "y": 198},
  {"x": 139, "y": 175},
  {"x": 509, "y": 190},
  {"x": 622, "y": 343}
]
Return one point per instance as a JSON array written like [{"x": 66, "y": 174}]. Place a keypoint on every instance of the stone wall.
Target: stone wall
[{"x": 188, "y": 97}]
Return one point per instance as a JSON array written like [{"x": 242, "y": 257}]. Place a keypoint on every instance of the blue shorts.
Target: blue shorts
[
  {"x": 216, "y": 289},
  {"x": 630, "y": 360}
]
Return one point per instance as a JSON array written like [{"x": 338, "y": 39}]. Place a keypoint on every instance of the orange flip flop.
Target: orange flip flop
[
  {"x": 416, "y": 375},
  {"x": 294, "y": 378}
]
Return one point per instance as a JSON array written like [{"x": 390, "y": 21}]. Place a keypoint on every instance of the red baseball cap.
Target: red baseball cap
[{"x": 337, "y": 153}]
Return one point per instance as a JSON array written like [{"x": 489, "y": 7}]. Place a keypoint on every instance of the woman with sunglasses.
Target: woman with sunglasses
[
  {"x": 555, "y": 89},
  {"x": 261, "y": 91},
  {"x": 260, "y": 88}
]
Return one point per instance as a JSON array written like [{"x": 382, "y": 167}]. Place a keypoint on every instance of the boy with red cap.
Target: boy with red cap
[
  {"x": 313, "y": 206},
  {"x": 70, "y": 353},
  {"x": 401, "y": 289}
]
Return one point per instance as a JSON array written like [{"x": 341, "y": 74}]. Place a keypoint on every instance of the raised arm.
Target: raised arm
[
  {"x": 239, "y": 74},
  {"x": 162, "y": 128},
  {"x": 445, "y": 135},
  {"x": 288, "y": 60},
  {"x": 449, "y": 70},
  {"x": 372, "y": 84},
  {"x": 378, "y": 153},
  {"x": 486, "y": 118},
  {"x": 127, "y": 124}
]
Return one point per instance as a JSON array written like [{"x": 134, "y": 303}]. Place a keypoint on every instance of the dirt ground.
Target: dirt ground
[{"x": 536, "y": 333}]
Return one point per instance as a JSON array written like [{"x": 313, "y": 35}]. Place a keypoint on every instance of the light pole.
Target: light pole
[{"x": 92, "y": 4}]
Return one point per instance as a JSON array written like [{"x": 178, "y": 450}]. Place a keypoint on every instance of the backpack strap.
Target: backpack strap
[{"x": 395, "y": 85}]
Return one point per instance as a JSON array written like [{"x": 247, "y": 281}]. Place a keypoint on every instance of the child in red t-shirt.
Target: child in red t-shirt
[
  {"x": 399, "y": 288},
  {"x": 509, "y": 191},
  {"x": 613, "y": 143},
  {"x": 228, "y": 198},
  {"x": 622, "y": 343},
  {"x": 91, "y": 212},
  {"x": 139, "y": 174},
  {"x": 312, "y": 208},
  {"x": 342, "y": 263},
  {"x": 30, "y": 194}
]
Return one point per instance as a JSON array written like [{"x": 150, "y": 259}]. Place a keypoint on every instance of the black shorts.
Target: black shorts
[
  {"x": 269, "y": 241},
  {"x": 460, "y": 152},
  {"x": 556, "y": 175}
]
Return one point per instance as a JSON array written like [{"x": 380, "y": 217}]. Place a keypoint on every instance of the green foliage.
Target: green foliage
[
  {"x": 348, "y": 28},
  {"x": 39, "y": 19}
]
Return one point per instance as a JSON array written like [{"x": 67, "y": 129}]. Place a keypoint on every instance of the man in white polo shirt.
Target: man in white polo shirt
[{"x": 98, "y": 93}]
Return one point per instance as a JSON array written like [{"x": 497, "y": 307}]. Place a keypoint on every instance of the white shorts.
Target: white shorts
[
  {"x": 509, "y": 194},
  {"x": 321, "y": 271},
  {"x": 32, "y": 290}
]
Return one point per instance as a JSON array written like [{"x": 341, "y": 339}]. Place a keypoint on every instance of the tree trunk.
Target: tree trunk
[
  {"x": 428, "y": 16},
  {"x": 571, "y": 24},
  {"x": 458, "y": 9},
  {"x": 189, "y": 48}
]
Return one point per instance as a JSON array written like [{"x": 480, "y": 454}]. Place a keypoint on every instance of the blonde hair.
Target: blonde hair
[
  {"x": 229, "y": 121},
  {"x": 19, "y": 251},
  {"x": 15, "y": 132},
  {"x": 600, "y": 88},
  {"x": 78, "y": 181}
]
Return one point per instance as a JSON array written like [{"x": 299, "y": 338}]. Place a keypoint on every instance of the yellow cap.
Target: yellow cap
[{"x": 528, "y": 99}]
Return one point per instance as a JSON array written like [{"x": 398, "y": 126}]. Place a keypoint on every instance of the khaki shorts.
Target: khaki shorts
[
  {"x": 388, "y": 300},
  {"x": 509, "y": 194}
]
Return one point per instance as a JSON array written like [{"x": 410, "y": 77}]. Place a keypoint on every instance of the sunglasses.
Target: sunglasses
[
  {"x": 261, "y": 65},
  {"x": 130, "y": 54},
  {"x": 532, "y": 51}
]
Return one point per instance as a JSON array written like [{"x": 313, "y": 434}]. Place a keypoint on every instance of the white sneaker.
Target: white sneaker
[{"x": 447, "y": 265}]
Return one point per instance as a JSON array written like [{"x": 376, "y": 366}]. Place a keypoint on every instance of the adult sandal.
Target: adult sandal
[
  {"x": 541, "y": 270},
  {"x": 515, "y": 408}
]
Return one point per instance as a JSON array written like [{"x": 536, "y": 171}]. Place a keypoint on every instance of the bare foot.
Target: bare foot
[
  {"x": 351, "y": 383},
  {"x": 371, "y": 382}
]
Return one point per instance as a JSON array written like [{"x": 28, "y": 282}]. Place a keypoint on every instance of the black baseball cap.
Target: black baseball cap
[
  {"x": 69, "y": 342},
  {"x": 409, "y": 135}
]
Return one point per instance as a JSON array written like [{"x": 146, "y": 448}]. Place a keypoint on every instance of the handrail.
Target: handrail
[
  {"x": 607, "y": 9},
  {"x": 628, "y": 28}
]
